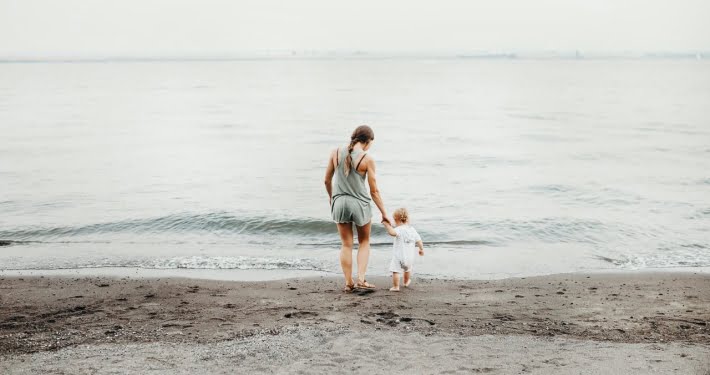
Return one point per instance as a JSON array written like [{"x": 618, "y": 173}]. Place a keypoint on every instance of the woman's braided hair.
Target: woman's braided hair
[{"x": 362, "y": 134}]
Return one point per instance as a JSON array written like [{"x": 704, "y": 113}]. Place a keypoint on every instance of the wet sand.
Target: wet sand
[{"x": 595, "y": 323}]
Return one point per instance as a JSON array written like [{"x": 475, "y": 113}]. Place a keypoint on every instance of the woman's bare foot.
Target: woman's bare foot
[{"x": 393, "y": 289}]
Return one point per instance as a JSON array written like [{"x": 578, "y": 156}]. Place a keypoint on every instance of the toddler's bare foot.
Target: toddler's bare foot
[
  {"x": 393, "y": 289},
  {"x": 407, "y": 283}
]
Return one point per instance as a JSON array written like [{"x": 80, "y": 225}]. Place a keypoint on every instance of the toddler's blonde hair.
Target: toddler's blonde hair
[{"x": 401, "y": 214}]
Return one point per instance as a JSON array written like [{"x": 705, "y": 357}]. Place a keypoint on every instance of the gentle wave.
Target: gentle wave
[
  {"x": 312, "y": 244},
  {"x": 188, "y": 262},
  {"x": 683, "y": 256},
  {"x": 320, "y": 233},
  {"x": 428, "y": 243},
  {"x": 240, "y": 263},
  {"x": 218, "y": 223},
  {"x": 562, "y": 230}
]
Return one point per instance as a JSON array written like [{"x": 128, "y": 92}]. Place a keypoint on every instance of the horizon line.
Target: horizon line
[{"x": 365, "y": 55}]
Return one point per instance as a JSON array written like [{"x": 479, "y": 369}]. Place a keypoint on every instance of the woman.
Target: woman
[{"x": 350, "y": 201}]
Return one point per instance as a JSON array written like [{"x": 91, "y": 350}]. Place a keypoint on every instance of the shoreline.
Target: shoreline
[
  {"x": 239, "y": 275},
  {"x": 45, "y": 317},
  {"x": 247, "y": 275}
]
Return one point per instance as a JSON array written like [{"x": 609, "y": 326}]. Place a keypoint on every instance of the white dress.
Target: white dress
[{"x": 403, "y": 248}]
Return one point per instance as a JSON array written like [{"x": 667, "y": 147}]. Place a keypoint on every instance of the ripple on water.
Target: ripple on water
[
  {"x": 700, "y": 214},
  {"x": 604, "y": 197}
]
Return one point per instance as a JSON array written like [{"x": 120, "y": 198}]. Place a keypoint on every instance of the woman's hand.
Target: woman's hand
[{"x": 386, "y": 220}]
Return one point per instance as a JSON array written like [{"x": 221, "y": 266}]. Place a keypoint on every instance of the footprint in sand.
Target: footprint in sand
[
  {"x": 301, "y": 314},
  {"x": 363, "y": 292}
]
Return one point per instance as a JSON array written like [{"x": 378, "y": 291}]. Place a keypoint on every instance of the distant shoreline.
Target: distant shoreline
[{"x": 355, "y": 56}]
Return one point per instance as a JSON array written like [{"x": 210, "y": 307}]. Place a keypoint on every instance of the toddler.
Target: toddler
[{"x": 406, "y": 237}]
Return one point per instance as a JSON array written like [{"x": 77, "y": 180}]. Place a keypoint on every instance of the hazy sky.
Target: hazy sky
[{"x": 222, "y": 27}]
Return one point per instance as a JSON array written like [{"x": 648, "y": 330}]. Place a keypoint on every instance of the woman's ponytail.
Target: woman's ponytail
[
  {"x": 349, "y": 159},
  {"x": 362, "y": 134}
]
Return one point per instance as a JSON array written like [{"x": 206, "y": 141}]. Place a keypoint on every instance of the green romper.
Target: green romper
[{"x": 351, "y": 199}]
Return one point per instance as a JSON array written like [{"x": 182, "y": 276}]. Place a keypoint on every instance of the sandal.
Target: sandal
[
  {"x": 365, "y": 285},
  {"x": 349, "y": 288}
]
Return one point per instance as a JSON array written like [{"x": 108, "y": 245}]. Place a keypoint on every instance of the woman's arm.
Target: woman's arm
[
  {"x": 329, "y": 172},
  {"x": 374, "y": 191}
]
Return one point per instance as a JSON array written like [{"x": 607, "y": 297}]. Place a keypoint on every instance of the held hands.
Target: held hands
[
  {"x": 421, "y": 252},
  {"x": 386, "y": 221}
]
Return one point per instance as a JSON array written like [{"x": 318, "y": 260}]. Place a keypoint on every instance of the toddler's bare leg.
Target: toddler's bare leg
[
  {"x": 395, "y": 282},
  {"x": 407, "y": 278}
]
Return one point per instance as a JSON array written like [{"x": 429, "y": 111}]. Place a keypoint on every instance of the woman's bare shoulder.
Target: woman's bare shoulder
[
  {"x": 335, "y": 151},
  {"x": 368, "y": 159}
]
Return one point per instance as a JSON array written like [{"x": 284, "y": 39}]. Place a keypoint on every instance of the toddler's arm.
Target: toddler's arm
[
  {"x": 420, "y": 245},
  {"x": 389, "y": 228}
]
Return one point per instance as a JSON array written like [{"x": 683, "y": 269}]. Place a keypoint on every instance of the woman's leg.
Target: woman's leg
[
  {"x": 363, "y": 250},
  {"x": 346, "y": 251}
]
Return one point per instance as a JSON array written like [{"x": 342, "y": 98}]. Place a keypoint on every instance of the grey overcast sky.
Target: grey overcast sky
[{"x": 46, "y": 28}]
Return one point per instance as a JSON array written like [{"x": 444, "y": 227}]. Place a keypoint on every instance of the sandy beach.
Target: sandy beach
[{"x": 572, "y": 323}]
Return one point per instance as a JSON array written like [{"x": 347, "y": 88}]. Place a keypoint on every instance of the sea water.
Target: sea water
[{"x": 507, "y": 167}]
